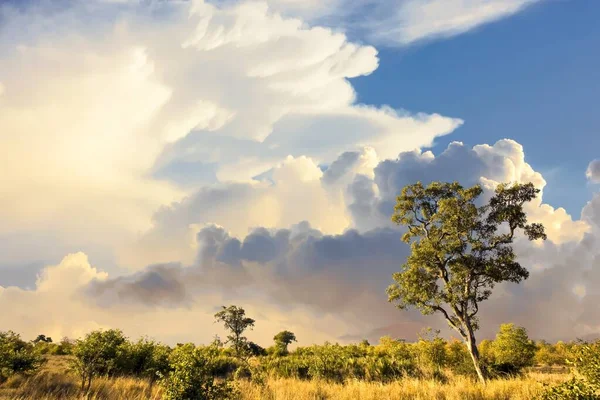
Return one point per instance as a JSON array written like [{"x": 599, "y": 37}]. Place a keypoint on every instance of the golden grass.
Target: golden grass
[
  {"x": 54, "y": 382},
  {"x": 457, "y": 388}
]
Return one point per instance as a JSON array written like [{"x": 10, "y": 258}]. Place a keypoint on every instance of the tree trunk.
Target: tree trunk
[{"x": 472, "y": 345}]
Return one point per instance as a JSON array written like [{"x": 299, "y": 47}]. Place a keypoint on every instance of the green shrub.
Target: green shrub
[
  {"x": 586, "y": 386},
  {"x": 573, "y": 389},
  {"x": 100, "y": 353},
  {"x": 17, "y": 356},
  {"x": 146, "y": 359},
  {"x": 192, "y": 375}
]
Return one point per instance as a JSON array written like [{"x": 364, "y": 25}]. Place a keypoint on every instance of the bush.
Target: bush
[
  {"x": 430, "y": 352},
  {"x": 99, "y": 353},
  {"x": 586, "y": 360},
  {"x": 17, "y": 356},
  {"x": 458, "y": 358},
  {"x": 192, "y": 375},
  {"x": 332, "y": 362},
  {"x": 573, "y": 389},
  {"x": 146, "y": 359}
]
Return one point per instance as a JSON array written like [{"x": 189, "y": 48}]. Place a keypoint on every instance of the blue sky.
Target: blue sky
[
  {"x": 533, "y": 77},
  {"x": 164, "y": 158}
]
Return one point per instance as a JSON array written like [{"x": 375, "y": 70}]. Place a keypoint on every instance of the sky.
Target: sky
[{"x": 163, "y": 158}]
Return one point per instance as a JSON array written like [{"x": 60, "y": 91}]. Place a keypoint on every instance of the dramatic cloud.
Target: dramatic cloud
[
  {"x": 593, "y": 171},
  {"x": 216, "y": 150},
  {"x": 282, "y": 274},
  {"x": 109, "y": 111}
]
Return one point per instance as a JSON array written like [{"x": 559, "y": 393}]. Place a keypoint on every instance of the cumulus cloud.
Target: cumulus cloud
[
  {"x": 138, "y": 104},
  {"x": 371, "y": 201},
  {"x": 341, "y": 276},
  {"x": 220, "y": 144},
  {"x": 593, "y": 171},
  {"x": 329, "y": 287},
  {"x": 293, "y": 192}
]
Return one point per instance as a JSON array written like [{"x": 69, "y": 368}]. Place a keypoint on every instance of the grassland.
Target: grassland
[{"x": 54, "y": 382}]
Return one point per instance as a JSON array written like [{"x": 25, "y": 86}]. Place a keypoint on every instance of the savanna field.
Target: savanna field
[{"x": 106, "y": 365}]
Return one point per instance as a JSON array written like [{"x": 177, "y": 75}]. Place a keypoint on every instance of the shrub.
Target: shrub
[
  {"x": 146, "y": 359},
  {"x": 17, "y": 356},
  {"x": 512, "y": 347},
  {"x": 99, "y": 353},
  {"x": 192, "y": 375},
  {"x": 586, "y": 360},
  {"x": 458, "y": 358}
]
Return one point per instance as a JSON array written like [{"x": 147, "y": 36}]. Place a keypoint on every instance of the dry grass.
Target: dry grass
[
  {"x": 456, "y": 389},
  {"x": 54, "y": 382}
]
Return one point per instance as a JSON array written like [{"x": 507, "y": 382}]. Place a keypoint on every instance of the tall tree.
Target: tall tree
[
  {"x": 459, "y": 250},
  {"x": 235, "y": 321}
]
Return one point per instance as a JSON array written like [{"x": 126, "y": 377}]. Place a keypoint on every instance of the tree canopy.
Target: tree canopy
[{"x": 461, "y": 247}]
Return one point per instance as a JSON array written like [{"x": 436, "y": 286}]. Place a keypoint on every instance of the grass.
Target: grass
[{"x": 55, "y": 382}]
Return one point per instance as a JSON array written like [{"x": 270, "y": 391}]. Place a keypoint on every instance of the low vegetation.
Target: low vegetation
[{"x": 107, "y": 365}]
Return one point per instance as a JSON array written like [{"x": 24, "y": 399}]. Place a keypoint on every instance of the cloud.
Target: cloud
[
  {"x": 287, "y": 276},
  {"x": 371, "y": 200},
  {"x": 593, "y": 171},
  {"x": 294, "y": 192},
  {"x": 139, "y": 104},
  {"x": 403, "y": 22},
  {"x": 223, "y": 147},
  {"x": 72, "y": 298},
  {"x": 417, "y": 20}
]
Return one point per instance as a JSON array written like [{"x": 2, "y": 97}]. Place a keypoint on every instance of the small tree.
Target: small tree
[
  {"x": 42, "y": 338},
  {"x": 235, "y": 320},
  {"x": 99, "y": 353},
  {"x": 512, "y": 349},
  {"x": 459, "y": 250},
  {"x": 282, "y": 340}
]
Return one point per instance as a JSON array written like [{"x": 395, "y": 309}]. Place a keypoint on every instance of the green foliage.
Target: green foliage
[
  {"x": 17, "y": 356},
  {"x": 192, "y": 375},
  {"x": 146, "y": 358},
  {"x": 512, "y": 350},
  {"x": 459, "y": 250},
  {"x": 235, "y": 321},
  {"x": 332, "y": 362},
  {"x": 459, "y": 359},
  {"x": 551, "y": 354},
  {"x": 282, "y": 340},
  {"x": 99, "y": 353},
  {"x": 573, "y": 389},
  {"x": 586, "y": 360},
  {"x": 585, "y": 386},
  {"x": 431, "y": 351}
]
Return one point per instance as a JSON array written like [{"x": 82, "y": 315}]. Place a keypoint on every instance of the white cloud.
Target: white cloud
[
  {"x": 403, "y": 22},
  {"x": 93, "y": 109},
  {"x": 593, "y": 171},
  {"x": 416, "y": 20},
  {"x": 96, "y": 125}
]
